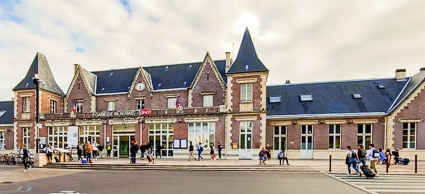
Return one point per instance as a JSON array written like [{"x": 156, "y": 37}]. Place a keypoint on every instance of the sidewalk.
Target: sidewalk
[{"x": 337, "y": 166}]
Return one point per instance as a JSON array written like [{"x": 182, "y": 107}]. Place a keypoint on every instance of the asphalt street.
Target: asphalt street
[{"x": 196, "y": 182}]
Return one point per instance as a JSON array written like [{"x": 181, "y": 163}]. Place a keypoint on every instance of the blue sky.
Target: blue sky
[{"x": 300, "y": 40}]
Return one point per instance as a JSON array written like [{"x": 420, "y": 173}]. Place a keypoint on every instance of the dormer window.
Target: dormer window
[
  {"x": 2, "y": 112},
  {"x": 357, "y": 96},
  {"x": 306, "y": 97},
  {"x": 275, "y": 99},
  {"x": 380, "y": 86}
]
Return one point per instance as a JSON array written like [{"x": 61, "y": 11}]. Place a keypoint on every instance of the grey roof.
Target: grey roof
[
  {"x": 175, "y": 76},
  {"x": 6, "y": 113},
  {"x": 41, "y": 67},
  {"x": 412, "y": 85},
  {"x": 377, "y": 95},
  {"x": 247, "y": 60}
]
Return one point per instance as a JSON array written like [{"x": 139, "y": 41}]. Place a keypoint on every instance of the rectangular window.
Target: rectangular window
[
  {"x": 111, "y": 105},
  {"x": 89, "y": 133},
  {"x": 53, "y": 104},
  {"x": 171, "y": 102},
  {"x": 409, "y": 135},
  {"x": 58, "y": 136},
  {"x": 2, "y": 140},
  {"x": 26, "y": 136},
  {"x": 203, "y": 133},
  {"x": 334, "y": 136},
  {"x": 279, "y": 138},
  {"x": 364, "y": 134},
  {"x": 140, "y": 104},
  {"x": 208, "y": 100},
  {"x": 246, "y": 92},
  {"x": 26, "y": 104},
  {"x": 79, "y": 106}
]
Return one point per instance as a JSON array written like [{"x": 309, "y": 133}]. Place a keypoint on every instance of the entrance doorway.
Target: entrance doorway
[
  {"x": 245, "y": 140},
  {"x": 307, "y": 142},
  {"x": 121, "y": 145},
  {"x": 161, "y": 139}
]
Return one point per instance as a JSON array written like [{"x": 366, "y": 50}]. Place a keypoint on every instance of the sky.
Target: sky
[{"x": 300, "y": 40}]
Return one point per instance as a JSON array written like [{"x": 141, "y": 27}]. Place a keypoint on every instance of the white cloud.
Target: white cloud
[{"x": 303, "y": 41}]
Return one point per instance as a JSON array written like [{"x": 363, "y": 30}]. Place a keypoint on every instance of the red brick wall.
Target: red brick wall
[
  {"x": 256, "y": 91},
  {"x": 256, "y": 132},
  {"x": 9, "y": 137},
  {"x": 414, "y": 110},
  {"x": 212, "y": 84},
  {"x": 79, "y": 94}
]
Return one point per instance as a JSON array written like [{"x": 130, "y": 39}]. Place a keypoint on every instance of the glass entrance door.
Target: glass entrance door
[
  {"x": 245, "y": 140},
  {"x": 121, "y": 146},
  {"x": 307, "y": 142},
  {"x": 161, "y": 139}
]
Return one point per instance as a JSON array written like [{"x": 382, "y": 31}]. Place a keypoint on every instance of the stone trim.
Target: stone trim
[{"x": 280, "y": 123}]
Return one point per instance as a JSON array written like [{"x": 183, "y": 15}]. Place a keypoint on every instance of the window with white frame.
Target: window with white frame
[
  {"x": 279, "y": 138},
  {"x": 171, "y": 102},
  {"x": 26, "y": 104},
  {"x": 26, "y": 136},
  {"x": 203, "y": 133},
  {"x": 364, "y": 134},
  {"x": 140, "y": 104},
  {"x": 246, "y": 92},
  {"x": 111, "y": 105},
  {"x": 58, "y": 136},
  {"x": 2, "y": 140},
  {"x": 53, "y": 105},
  {"x": 409, "y": 135},
  {"x": 89, "y": 133},
  {"x": 79, "y": 107},
  {"x": 208, "y": 100},
  {"x": 335, "y": 136}
]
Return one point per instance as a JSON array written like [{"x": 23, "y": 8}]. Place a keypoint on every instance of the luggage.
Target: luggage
[
  {"x": 83, "y": 161},
  {"x": 404, "y": 161},
  {"x": 367, "y": 171},
  {"x": 91, "y": 160},
  {"x": 57, "y": 159}
]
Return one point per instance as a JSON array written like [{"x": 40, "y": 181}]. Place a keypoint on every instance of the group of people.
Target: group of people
[
  {"x": 265, "y": 154},
  {"x": 90, "y": 150},
  {"x": 144, "y": 149},
  {"x": 213, "y": 152},
  {"x": 375, "y": 156}
]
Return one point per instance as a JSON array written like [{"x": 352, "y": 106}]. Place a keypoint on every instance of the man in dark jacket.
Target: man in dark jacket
[
  {"x": 142, "y": 150},
  {"x": 26, "y": 158},
  {"x": 133, "y": 149}
]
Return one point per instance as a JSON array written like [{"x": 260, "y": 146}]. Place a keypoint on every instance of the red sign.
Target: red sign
[{"x": 146, "y": 112}]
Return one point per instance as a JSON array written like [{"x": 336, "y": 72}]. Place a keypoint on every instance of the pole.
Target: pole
[
  {"x": 330, "y": 163},
  {"x": 37, "y": 111},
  {"x": 416, "y": 163},
  {"x": 387, "y": 163}
]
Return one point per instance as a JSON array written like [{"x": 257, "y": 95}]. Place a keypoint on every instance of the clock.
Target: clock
[{"x": 140, "y": 86}]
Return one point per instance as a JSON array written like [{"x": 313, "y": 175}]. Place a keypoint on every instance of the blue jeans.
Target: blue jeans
[
  {"x": 199, "y": 155},
  {"x": 353, "y": 162},
  {"x": 363, "y": 161}
]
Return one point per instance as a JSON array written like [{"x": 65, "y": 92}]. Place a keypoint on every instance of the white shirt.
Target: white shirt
[{"x": 369, "y": 154}]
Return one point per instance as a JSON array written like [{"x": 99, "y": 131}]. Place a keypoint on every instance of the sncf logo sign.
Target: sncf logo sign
[{"x": 146, "y": 112}]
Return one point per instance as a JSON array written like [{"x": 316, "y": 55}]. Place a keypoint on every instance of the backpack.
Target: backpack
[
  {"x": 375, "y": 153},
  {"x": 353, "y": 154},
  {"x": 200, "y": 149},
  {"x": 363, "y": 154}
]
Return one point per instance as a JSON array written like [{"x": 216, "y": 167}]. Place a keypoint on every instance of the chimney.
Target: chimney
[
  {"x": 76, "y": 66},
  {"x": 288, "y": 81},
  {"x": 228, "y": 61},
  {"x": 400, "y": 74}
]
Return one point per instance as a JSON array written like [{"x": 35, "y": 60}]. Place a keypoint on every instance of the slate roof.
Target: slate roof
[
  {"x": 247, "y": 59},
  {"x": 41, "y": 67},
  {"x": 377, "y": 95},
  {"x": 6, "y": 113},
  {"x": 412, "y": 85},
  {"x": 175, "y": 76}
]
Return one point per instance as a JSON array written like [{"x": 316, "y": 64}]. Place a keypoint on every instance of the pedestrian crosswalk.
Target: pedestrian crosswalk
[{"x": 387, "y": 183}]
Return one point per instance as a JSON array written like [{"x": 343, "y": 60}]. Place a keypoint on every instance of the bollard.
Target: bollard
[
  {"x": 330, "y": 163},
  {"x": 416, "y": 163}
]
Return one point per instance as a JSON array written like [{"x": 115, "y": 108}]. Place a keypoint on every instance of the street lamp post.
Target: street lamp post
[{"x": 36, "y": 81}]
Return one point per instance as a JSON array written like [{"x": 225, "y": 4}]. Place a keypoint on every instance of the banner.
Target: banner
[{"x": 72, "y": 136}]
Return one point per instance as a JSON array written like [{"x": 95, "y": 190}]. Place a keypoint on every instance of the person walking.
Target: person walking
[
  {"x": 158, "y": 151},
  {"x": 80, "y": 148},
  {"x": 26, "y": 158},
  {"x": 100, "y": 147},
  {"x": 49, "y": 153},
  {"x": 200, "y": 150},
  {"x": 219, "y": 148},
  {"x": 388, "y": 156},
  {"x": 95, "y": 150},
  {"x": 191, "y": 151},
  {"x": 372, "y": 155},
  {"x": 134, "y": 149},
  {"x": 282, "y": 156},
  {"x": 212, "y": 151},
  {"x": 361, "y": 154},
  {"x": 352, "y": 160},
  {"x": 108, "y": 150}
]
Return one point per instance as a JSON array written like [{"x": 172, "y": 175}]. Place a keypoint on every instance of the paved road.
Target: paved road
[
  {"x": 387, "y": 184},
  {"x": 196, "y": 182}
]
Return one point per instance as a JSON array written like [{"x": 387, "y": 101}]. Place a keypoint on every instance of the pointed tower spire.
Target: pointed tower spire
[
  {"x": 40, "y": 67},
  {"x": 247, "y": 60}
]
